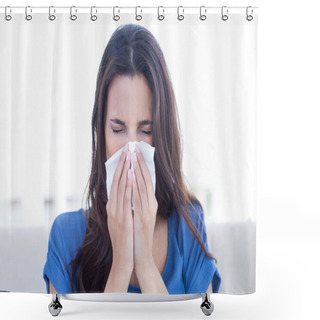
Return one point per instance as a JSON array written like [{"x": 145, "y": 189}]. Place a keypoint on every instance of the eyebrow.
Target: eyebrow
[{"x": 141, "y": 123}]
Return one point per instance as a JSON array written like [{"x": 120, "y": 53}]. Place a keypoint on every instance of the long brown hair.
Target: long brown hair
[{"x": 132, "y": 50}]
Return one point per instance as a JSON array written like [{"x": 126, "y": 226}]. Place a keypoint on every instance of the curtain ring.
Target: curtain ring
[
  {"x": 138, "y": 16},
  {"x": 180, "y": 16},
  {"x": 249, "y": 16},
  {"x": 8, "y": 17},
  {"x": 224, "y": 13},
  {"x": 203, "y": 14},
  {"x": 116, "y": 17},
  {"x": 73, "y": 17},
  {"x": 160, "y": 16},
  {"x": 52, "y": 16},
  {"x": 28, "y": 16},
  {"x": 93, "y": 16}
]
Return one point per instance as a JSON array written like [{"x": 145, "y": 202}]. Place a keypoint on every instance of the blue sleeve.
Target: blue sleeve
[
  {"x": 57, "y": 258},
  {"x": 199, "y": 271}
]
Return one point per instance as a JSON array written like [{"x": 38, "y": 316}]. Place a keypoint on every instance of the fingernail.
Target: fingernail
[
  {"x": 129, "y": 174},
  {"x": 125, "y": 148},
  {"x": 137, "y": 148},
  {"x": 135, "y": 156},
  {"x": 128, "y": 154}
]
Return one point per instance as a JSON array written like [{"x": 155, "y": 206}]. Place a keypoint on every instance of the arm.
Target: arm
[
  {"x": 120, "y": 225},
  {"x": 116, "y": 283},
  {"x": 51, "y": 288},
  {"x": 150, "y": 280},
  {"x": 210, "y": 288},
  {"x": 118, "y": 280},
  {"x": 145, "y": 213}
]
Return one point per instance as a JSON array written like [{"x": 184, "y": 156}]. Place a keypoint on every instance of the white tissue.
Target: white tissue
[{"x": 148, "y": 154}]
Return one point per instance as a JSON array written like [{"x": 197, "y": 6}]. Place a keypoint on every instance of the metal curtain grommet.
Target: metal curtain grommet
[
  {"x": 203, "y": 13},
  {"x": 138, "y": 16},
  {"x": 116, "y": 17},
  {"x": 28, "y": 16},
  {"x": 8, "y": 17},
  {"x": 224, "y": 13},
  {"x": 249, "y": 16},
  {"x": 73, "y": 16},
  {"x": 180, "y": 15},
  {"x": 160, "y": 16},
  {"x": 93, "y": 17},
  {"x": 52, "y": 16}
]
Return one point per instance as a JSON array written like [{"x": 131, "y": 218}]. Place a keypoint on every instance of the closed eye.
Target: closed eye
[{"x": 116, "y": 131}]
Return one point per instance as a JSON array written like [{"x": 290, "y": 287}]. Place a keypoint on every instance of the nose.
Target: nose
[{"x": 132, "y": 135}]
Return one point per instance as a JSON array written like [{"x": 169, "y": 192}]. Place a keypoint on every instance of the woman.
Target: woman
[{"x": 161, "y": 246}]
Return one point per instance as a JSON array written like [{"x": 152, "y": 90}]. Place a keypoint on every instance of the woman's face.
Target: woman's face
[{"x": 129, "y": 113}]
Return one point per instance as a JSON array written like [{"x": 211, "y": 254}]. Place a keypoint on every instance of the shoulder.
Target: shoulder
[
  {"x": 195, "y": 213},
  {"x": 66, "y": 235},
  {"x": 181, "y": 229},
  {"x": 74, "y": 217},
  {"x": 69, "y": 225}
]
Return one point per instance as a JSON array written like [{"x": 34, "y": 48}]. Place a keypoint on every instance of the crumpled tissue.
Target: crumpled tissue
[{"x": 148, "y": 154}]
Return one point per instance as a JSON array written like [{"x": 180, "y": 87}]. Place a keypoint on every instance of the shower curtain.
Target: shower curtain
[{"x": 51, "y": 60}]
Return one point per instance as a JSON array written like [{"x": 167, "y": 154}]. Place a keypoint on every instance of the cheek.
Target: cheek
[
  {"x": 110, "y": 145},
  {"x": 148, "y": 140},
  {"x": 113, "y": 143}
]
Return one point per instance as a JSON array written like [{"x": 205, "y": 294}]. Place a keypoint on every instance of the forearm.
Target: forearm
[
  {"x": 150, "y": 280},
  {"x": 118, "y": 280}
]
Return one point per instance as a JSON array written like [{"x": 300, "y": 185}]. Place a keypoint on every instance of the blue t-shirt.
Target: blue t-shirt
[{"x": 187, "y": 269}]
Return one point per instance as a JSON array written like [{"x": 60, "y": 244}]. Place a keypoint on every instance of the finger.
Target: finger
[
  {"x": 136, "y": 196},
  {"x": 145, "y": 173},
  {"x": 122, "y": 183},
  {"x": 128, "y": 193},
  {"x": 141, "y": 186},
  {"x": 117, "y": 175}
]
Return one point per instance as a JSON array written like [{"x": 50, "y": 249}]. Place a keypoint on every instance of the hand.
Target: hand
[
  {"x": 145, "y": 211},
  {"x": 120, "y": 220}
]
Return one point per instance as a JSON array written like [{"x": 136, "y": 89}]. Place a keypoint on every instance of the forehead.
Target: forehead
[{"x": 129, "y": 98}]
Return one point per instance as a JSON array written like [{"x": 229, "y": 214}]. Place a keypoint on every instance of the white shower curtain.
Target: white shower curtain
[{"x": 48, "y": 75}]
